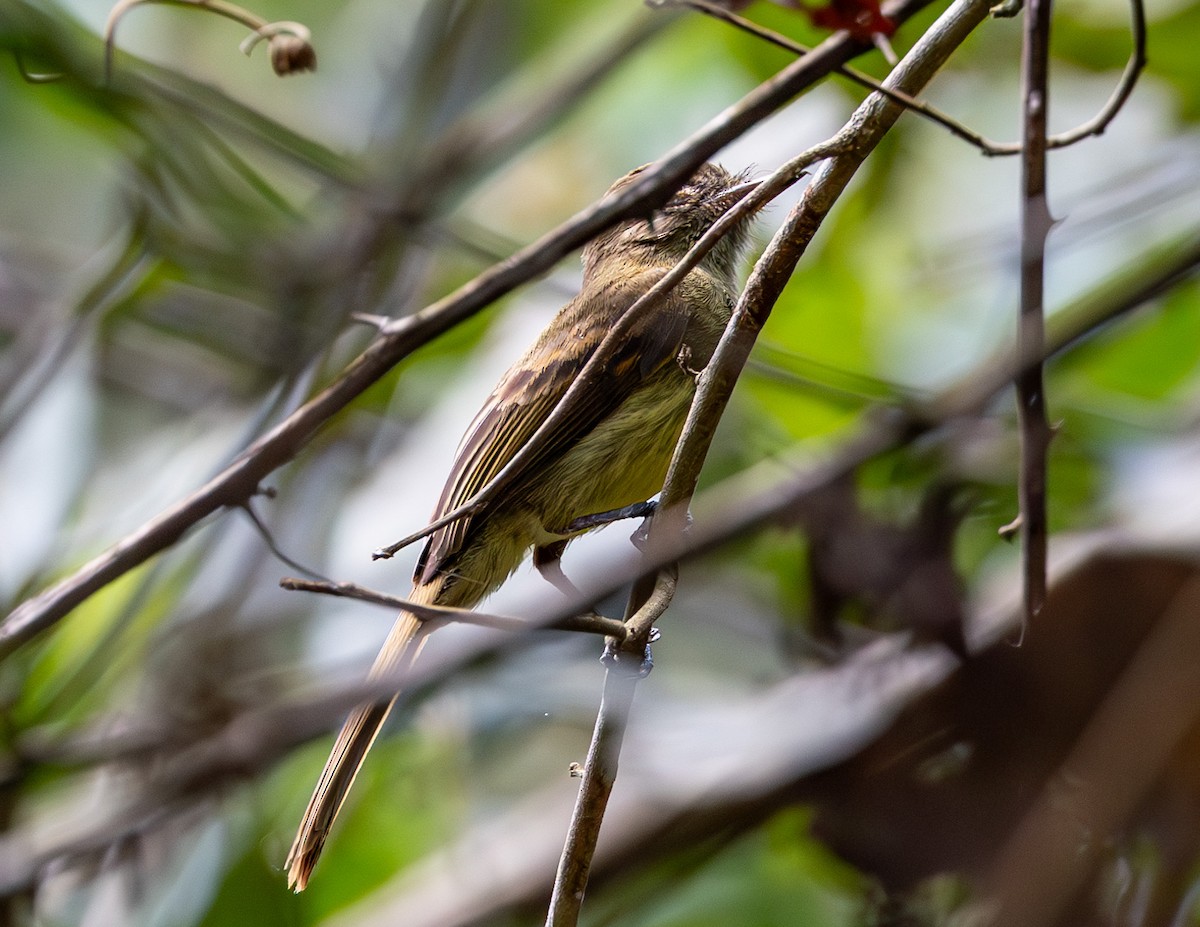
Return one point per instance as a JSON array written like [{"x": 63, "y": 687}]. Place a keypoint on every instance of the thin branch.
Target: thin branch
[
  {"x": 295, "y": 37},
  {"x": 1036, "y": 223},
  {"x": 1129, "y": 78},
  {"x": 600, "y": 770},
  {"x": 442, "y": 614},
  {"x": 1094, "y": 126},
  {"x": 599, "y": 775},
  {"x": 857, "y": 139},
  {"x": 281, "y": 444},
  {"x": 853, "y": 74},
  {"x": 269, "y": 539},
  {"x": 647, "y": 606}
]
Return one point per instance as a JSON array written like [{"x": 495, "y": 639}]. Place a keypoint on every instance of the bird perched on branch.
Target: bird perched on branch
[{"x": 610, "y": 450}]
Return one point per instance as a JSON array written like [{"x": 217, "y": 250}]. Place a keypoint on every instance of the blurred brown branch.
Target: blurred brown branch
[{"x": 1089, "y": 800}]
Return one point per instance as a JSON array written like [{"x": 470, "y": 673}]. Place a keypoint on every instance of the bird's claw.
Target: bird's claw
[{"x": 616, "y": 660}]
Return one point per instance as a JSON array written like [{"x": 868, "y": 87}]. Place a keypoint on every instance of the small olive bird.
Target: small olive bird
[{"x": 612, "y": 451}]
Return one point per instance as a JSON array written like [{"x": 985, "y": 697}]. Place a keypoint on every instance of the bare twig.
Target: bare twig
[
  {"x": 1129, "y": 78},
  {"x": 590, "y": 624},
  {"x": 273, "y": 546},
  {"x": 853, "y": 74},
  {"x": 1094, "y": 126},
  {"x": 650, "y": 597},
  {"x": 1036, "y": 223},
  {"x": 599, "y": 774}
]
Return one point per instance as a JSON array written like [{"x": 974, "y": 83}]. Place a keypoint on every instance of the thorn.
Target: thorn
[
  {"x": 378, "y": 322},
  {"x": 1012, "y": 529}
]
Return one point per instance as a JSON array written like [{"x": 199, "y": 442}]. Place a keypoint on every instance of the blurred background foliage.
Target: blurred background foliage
[{"x": 181, "y": 252}]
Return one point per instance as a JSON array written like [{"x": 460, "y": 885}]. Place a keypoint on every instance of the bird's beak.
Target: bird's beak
[{"x": 736, "y": 193}]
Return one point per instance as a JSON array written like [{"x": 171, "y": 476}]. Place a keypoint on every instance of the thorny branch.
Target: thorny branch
[
  {"x": 281, "y": 444},
  {"x": 1035, "y": 227}
]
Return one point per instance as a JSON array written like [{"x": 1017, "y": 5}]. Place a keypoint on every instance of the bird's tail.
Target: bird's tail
[{"x": 353, "y": 741}]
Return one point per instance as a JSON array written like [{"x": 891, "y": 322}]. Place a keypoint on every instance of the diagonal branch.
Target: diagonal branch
[
  {"x": 582, "y": 385},
  {"x": 281, "y": 444},
  {"x": 858, "y": 138}
]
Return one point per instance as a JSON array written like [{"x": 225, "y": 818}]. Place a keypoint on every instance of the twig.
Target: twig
[
  {"x": 1036, "y": 223},
  {"x": 599, "y": 774},
  {"x": 863, "y": 80},
  {"x": 646, "y": 606},
  {"x": 1094, "y": 126},
  {"x": 590, "y": 624},
  {"x": 1129, "y": 78},
  {"x": 269, "y": 539},
  {"x": 291, "y": 48}
]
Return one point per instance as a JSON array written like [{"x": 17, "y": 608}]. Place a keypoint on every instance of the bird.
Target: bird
[{"x": 611, "y": 451}]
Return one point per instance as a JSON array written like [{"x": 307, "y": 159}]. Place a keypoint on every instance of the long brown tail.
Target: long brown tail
[{"x": 354, "y": 740}]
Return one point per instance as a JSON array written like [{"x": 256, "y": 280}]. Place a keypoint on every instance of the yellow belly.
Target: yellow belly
[{"x": 622, "y": 461}]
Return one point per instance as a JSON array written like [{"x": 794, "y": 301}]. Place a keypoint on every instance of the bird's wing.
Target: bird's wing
[{"x": 531, "y": 390}]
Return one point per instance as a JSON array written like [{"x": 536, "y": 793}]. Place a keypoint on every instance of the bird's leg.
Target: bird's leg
[
  {"x": 548, "y": 560},
  {"x": 547, "y": 557},
  {"x": 588, "y": 522}
]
